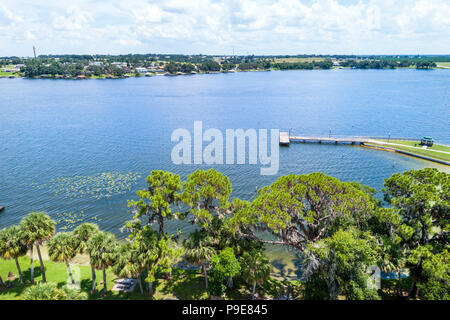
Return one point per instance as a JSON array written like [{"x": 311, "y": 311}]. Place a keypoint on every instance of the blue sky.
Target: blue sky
[{"x": 221, "y": 26}]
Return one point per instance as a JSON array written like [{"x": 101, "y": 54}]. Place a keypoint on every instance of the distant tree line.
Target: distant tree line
[
  {"x": 324, "y": 64},
  {"x": 425, "y": 65},
  {"x": 207, "y": 66},
  {"x": 12, "y": 60},
  {"x": 387, "y": 64},
  {"x": 174, "y": 67},
  {"x": 96, "y": 65},
  {"x": 36, "y": 68}
]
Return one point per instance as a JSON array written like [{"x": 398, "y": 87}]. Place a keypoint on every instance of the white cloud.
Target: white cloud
[
  {"x": 213, "y": 26},
  {"x": 7, "y": 17},
  {"x": 73, "y": 19}
]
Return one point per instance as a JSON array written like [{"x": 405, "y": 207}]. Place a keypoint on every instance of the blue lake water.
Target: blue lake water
[{"x": 59, "y": 129}]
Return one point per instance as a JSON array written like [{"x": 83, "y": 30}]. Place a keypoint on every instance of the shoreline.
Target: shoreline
[
  {"x": 373, "y": 145},
  {"x": 150, "y": 74}
]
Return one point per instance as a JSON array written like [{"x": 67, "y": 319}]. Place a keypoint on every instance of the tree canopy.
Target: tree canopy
[
  {"x": 421, "y": 199},
  {"x": 300, "y": 209}
]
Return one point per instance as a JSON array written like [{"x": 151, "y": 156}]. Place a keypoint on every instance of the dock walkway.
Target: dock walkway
[
  {"x": 286, "y": 139},
  {"x": 371, "y": 142}
]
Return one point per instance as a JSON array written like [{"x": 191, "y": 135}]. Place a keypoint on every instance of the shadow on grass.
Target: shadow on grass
[
  {"x": 269, "y": 289},
  {"x": 86, "y": 286},
  {"x": 291, "y": 271},
  {"x": 389, "y": 290},
  {"x": 16, "y": 288},
  {"x": 184, "y": 285}
]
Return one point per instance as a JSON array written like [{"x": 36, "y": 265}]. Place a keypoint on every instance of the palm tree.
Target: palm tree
[
  {"x": 102, "y": 248},
  {"x": 62, "y": 248},
  {"x": 36, "y": 228},
  {"x": 2, "y": 248},
  {"x": 82, "y": 234},
  {"x": 129, "y": 264},
  {"x": 198, "y": 251},
  {"x": 256, "y": 267},
  {"x": 148, "y": 251},
  {"x": 12, "y": 246}
]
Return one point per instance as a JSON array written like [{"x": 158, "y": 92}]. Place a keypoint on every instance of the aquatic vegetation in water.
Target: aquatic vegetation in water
[
  {"x": 69, "y": 220},
  {"x": 99, "y": 186}
]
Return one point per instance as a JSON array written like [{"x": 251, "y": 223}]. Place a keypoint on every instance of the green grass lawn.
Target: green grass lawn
[
  {"x": 408, "y": 146},
  {"x": 103, "y": 76},
  {"x": 184, "y": 284},
  {"x": 412, "y": 143},
  {"x": 444, "y": 64},
  {"x": 389, "y": 288},
  {"x": 7, "y": 74}
]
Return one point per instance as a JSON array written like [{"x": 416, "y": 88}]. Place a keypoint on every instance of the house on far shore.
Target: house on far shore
[
  {"x": 120, "y": 64},
  {"x": 9, "y": 70},
  {"x": 141, "y": 70},
  {"x": 96, "y": 63},
  {"x": 156, "y": 69}
]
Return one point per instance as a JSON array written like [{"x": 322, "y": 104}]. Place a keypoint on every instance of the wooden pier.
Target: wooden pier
[
  {"x": 379, "y": 143},
  {"x": 286, "y": 139}
]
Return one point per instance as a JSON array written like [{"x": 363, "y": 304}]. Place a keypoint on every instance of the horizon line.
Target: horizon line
[{"x": 234, "y": 55}]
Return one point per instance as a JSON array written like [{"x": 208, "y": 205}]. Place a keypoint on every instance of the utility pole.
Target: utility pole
[{"x": 34, "y": 51}]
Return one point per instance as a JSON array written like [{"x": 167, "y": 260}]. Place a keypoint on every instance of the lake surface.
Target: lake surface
[{"x": 83, "y": 134}]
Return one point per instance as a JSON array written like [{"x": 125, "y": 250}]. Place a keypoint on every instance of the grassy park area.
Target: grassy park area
[
  {"x": 436, "y": 151},
  {"x": 443, "y": 64},
  {"x": 7, "y": 74},
  {"x": 185, "y": 284}
]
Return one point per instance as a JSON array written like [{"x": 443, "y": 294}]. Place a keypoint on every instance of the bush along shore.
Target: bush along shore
[{"x": 339, "y": 229}]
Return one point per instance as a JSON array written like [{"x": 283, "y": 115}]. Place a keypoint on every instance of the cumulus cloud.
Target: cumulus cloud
[{"x": 219, "y": 26}]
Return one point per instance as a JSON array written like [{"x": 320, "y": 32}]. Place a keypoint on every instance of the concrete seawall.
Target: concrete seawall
[{"x": 405, "y": 152}]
